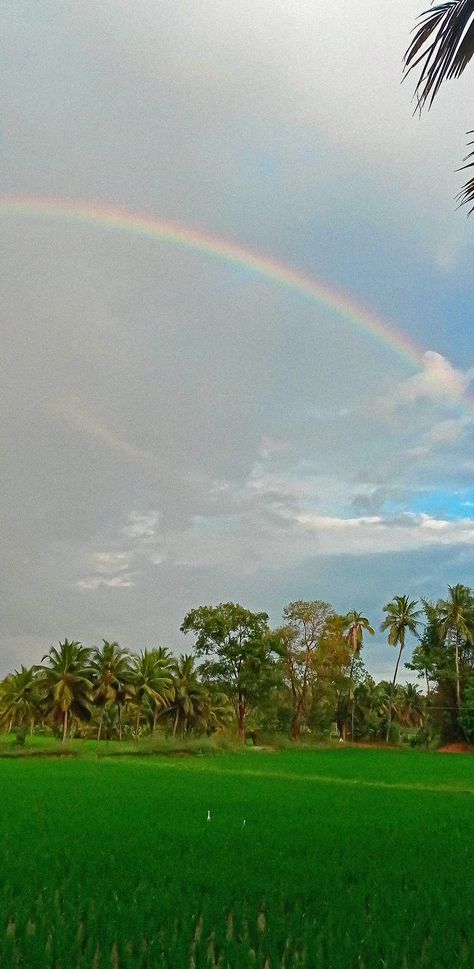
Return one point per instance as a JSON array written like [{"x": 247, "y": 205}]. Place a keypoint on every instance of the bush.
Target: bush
[
  {"x": 20, "y": 736},
  {"x": 466, "y": 716},
  {"x": 394, "y": 733}
]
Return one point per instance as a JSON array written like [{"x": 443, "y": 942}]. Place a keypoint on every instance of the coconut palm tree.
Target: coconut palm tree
[
  {"x": 355, "y": 624},
  {"x": 409, "y": 704},
  {"x": 402, "y": 617},
  {"x": 188, "y": 693},
  {"x": 441, "y": 49},
  {"x": 112, "y": 676},
  {"x": 67, "y": 679},
  {"x": 456, "y": 620},
  {"x": 21, "y": 698},
  {"x": 214, "y": 711},
  {"x": 152, "y": 682}
]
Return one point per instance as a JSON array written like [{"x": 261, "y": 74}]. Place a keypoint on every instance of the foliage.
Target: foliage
[
  {"x": 243, "y": 665},
  {"x": 152, "y": 684},
  {"x": 297, "y": 642},
  {"x": 456, "y": 623},
  {"x": 442, "y": 48},
  {"x": 66, "y": 679},
  {"x": 305, "y": 679},
  {"x": 21, "y": 699},
  {"x": 112, "y": 680},
  {"x": 402, "y": 617},
  {"x": 467, "y": 712}
]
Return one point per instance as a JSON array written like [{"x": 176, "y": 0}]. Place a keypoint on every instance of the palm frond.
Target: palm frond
[
  {"x": 443, "y": 45},
  {"x": 466, "y": 195}
]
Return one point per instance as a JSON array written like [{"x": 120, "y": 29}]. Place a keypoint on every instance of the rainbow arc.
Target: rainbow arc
[{"x": 348, "y": 309}]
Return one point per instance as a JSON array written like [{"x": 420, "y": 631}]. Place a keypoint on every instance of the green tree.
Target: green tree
[
  {"x": 112, "y": 678},
  {"x": 467, "y": 712},
  {"x": 188, "y": 696},
  {"x": 409, "y": 705},
  {"x": 243, "y": 665},
  {"x": 21, "y": 698},
  {"x": 441, "y": 49},
  {"x": 425, "y": 657},
  {"x": 402, "y": 617},
  {"x": 355, "y": 626},
  {"x": 297, "y": 642},
  {"x": 152, "y": 684},
  {"x": 370, "y": 706},
  {"x": 456, "y": 621},
  {"x": 67, "y": 679}
]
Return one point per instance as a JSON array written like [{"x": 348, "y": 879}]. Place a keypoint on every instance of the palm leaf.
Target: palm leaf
[
  {"x": 443, "y": 45},
  {"x": 466, "y": 195}
]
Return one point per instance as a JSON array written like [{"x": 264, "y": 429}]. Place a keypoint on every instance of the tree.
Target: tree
[
  {"x": 238, "y": 639},
  {"x": 402, "y": 617},
  {"x": 442, "y": 47},
  {"x": 112, "y": 676},
  {"x": 21, "y": 698},
  {"x": 188, "y": 693},
  {"x": 456, "y": 620},
  {"x": 152, "y": 683},
  {"x": 409, "y": 704},
  {"x": 371, "y": 705},
  {"x": 67, "y": 679},
  {"x": 355, "y": 625},
  {"x": 297, "y": 642},
  {"x": 425, "y": 655},
  {"x": 467, "y": 712}
]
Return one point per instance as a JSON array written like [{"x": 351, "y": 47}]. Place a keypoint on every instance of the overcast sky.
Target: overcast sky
[{"x": 176, "y": 430}]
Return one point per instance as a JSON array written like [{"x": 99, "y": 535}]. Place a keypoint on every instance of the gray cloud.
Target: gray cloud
[{"x": 176, "y": 429}]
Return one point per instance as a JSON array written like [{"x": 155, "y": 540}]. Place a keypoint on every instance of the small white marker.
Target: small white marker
[
  {"x": 243, "y": 823},
  {"x": 208, "y": 815}
]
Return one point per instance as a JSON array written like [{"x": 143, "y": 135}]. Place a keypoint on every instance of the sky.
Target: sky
[{"x": 177, "y": 428}]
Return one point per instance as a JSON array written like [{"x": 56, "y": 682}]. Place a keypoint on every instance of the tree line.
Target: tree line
[{"x": 305, "y": 677}]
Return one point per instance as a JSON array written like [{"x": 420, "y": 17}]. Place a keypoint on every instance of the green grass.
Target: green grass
[
  {"x": 348, "y": 859},
  {"x": 47, "y": 745}
]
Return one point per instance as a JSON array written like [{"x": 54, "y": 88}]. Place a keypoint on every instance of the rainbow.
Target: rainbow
[{"x": 141, "y": 224}]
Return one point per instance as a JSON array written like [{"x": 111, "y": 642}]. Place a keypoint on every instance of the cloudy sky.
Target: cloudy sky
[{"x": 176, "y": 429}]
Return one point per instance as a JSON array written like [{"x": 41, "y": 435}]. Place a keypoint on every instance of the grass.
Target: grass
[
  {"x": 47, "y": 745},
  {"x": 348, "y": 859}
]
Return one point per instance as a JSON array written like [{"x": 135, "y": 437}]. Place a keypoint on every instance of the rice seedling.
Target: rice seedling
[{"x": 347, "y": 860}]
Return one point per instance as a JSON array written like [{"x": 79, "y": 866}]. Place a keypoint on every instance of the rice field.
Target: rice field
[{"x": 331, "y": 859}]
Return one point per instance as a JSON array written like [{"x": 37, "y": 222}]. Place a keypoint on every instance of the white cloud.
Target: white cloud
[
  {"x": 115, "y": 568},
  {"x": 378, "y": 534},
  {"x": 107, "y": 562},
  {"x": 442, "y": 435},
  {"x": 143, "y": 527},
  {"x": 123, "y": 581},
  {"x": 438, "y": 381}
]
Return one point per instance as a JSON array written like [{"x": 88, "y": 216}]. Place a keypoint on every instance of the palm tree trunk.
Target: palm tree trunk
[
  {"x": 458, "y": 675},
  {"x": 119, "y": 707},
  {"x": 351, "y": 673},
  {"x": 100, "y": 723},
  {"x": 137, "y": 724},
  {"x": 392, "y": 693},
  {"x": 153, "y": 726},
  {"x": 175, "y": 725},
  {"x": 64, "y": 725},
  {"x": 241, "y": 718}
]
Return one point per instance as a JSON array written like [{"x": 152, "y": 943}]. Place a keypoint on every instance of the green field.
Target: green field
[{"x": 348, "y": 859}]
